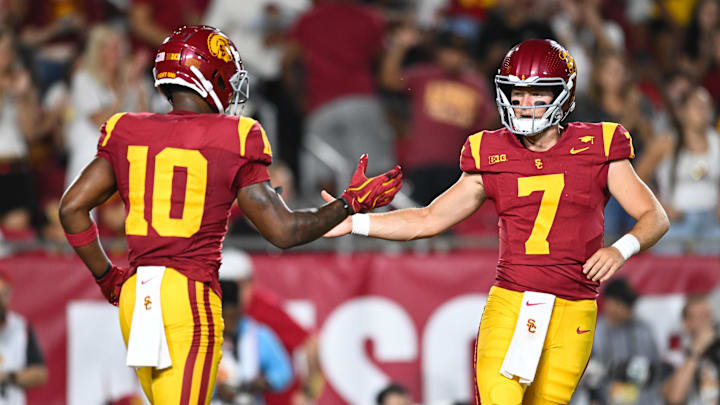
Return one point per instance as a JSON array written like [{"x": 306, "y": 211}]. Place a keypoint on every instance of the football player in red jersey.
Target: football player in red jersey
[
  {"x": 550, "y": 182},
  {"x": 178, "y": 174}
]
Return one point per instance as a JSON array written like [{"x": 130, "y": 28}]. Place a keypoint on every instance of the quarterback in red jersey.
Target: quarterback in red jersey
[
  {"x": 550, "y": 182},
  {"x": 178, "y": 175}
]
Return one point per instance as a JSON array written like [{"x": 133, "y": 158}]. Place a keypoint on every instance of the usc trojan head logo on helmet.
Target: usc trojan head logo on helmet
[
  {"x": 219, "y": 47},
  {"x": 204, "y": 59}
]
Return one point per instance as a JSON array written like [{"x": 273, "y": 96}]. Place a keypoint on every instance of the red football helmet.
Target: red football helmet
[
  {"x": 205, "y": 60},
  {"x": 536, "y": 62}
]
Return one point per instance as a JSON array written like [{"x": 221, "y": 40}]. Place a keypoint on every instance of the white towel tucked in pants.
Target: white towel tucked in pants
[
  {"x": 147, "y": 345},
  {"x": 523, "y": 355}
]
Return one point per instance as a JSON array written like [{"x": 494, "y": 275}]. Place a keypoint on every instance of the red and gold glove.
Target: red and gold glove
[
  {"x": 364, "y": 194},
  {"x": 111, "y": 283}
]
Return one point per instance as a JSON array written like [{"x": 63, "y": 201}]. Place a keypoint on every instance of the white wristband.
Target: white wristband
[
  {"x": 361, "y": 224},
  {"x": 628, "y": 245}
]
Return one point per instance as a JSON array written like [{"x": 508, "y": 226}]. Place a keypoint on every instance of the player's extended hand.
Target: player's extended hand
[
  {"x": 364, "y": 194},
  {"x": 603, "y": 264},
  {"x": 344, "y": 227},
  {"x": 111, "y": 283}
]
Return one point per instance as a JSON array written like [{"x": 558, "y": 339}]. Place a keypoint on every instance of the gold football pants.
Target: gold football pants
[
  {"x": 194, "y": 328},
  {"x": 564, "y": 357}
]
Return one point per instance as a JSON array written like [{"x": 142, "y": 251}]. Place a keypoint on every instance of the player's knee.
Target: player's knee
[{"x": 506, "y": 394}]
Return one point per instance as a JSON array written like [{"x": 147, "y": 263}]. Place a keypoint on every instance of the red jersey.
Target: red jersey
[
  {"x": 340, "y": 43},
  {"x": 445, "y": 108},
  {"x": 178, "y": 175},
  {"x": 550, "y": 203}
]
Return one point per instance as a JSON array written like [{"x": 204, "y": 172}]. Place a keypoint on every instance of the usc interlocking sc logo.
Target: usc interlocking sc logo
[
  {"x": 147, "y": 303},
  {"x": 531, "y": 325},
  {"x": 219, "y": 47}
]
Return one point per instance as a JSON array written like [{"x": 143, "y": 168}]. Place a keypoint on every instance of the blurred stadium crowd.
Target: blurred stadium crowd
[{"x": 405, "y": 81}]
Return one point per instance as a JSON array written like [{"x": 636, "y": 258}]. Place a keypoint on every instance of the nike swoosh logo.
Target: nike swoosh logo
[
  {"x": 533, "y": 303},
  {"x": 574, "y": 151},
  {"x": 361, "y": 199},
  {"x": 143, "y": 282},
  {"x": 580, "y": 332}
]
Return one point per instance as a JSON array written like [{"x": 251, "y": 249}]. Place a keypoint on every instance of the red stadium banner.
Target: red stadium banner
[{"x": 405, "y": 317}]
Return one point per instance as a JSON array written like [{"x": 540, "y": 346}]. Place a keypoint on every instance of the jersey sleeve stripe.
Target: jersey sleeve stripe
[
  {"x": 475, "y": 147},
  {"x": 244, "y": 126},
  {"x": 632, "y": 148},
  {"x": 266, "y": 149},
  {"x": 608, "y": 130},
  {"x": 110, "y": 125}
]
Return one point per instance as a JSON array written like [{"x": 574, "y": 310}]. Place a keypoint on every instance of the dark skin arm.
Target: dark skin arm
[
  {"x": 93, "y": 187},
  {"x": 282, "y": 226}
]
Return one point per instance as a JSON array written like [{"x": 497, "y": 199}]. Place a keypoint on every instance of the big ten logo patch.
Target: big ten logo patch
[
  {"x": 147, "y": 303},
  {"x": 497, "y": 158},
  {"x": 219, "y": 47},
  {"x": 531, "y": 325}
]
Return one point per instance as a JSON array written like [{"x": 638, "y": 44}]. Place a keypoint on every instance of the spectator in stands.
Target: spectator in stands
[
  {"x": 448, "y": 100},
  {"x": 613, "y": 97},
  {"x": 265, "y": 307},
  {"x": 258, "y": 29},
  {"x": 393, "y": 394},
  {"x": 151, "y": 21},
  {"x": 700, "y": 36},
  {"x": 625, "y": 358},
  {"x": 581, "y": 29},
  {"x": 21, "y": 361},
  {"x": 509, "y": 23},
  {"x": 338, "y": 41},
  {"x": 53, "y": 32},
  {"x": 18, "y": 114},
  {"x": 677, "y": 84},
  {"x": 108, "y": 81},
  {"x": 687, "y": 166},
  {"x": 711, "y": 80},
  {"x": 254, "y": 361},
  {"x": 696, "y": 363}
]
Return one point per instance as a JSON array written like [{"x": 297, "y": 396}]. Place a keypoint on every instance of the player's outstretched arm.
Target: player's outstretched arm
[
  {"x": 286, "y": 228},
  {"x": 640, "y": 203},
  {"x": 455, "y": 204}
]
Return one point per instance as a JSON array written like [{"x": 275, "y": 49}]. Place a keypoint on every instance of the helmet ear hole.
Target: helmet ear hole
[{"x": 218, "y": 80}]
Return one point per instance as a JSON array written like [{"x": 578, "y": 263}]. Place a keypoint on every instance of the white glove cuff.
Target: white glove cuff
[
  {"x": 361, "y": 224},
  {"x": 628, "y": 245}
]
